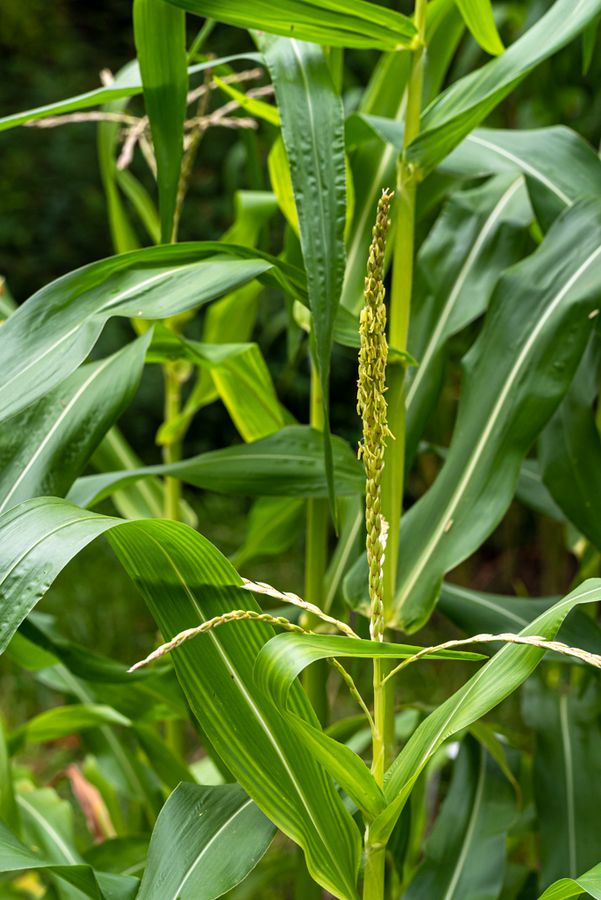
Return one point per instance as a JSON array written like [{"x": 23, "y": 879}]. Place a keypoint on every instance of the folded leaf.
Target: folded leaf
[
  {"x": 495, "y": 681},
  {"x": 288, "y": 463}
]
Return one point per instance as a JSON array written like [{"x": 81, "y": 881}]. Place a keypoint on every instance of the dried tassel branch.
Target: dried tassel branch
[{"x": 592, "y": 659}]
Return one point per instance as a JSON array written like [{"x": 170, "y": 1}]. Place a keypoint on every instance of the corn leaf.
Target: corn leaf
[
  {"x": 160, "y": 35},
  {"x": 467, "y": 102},
  {"x": 47, "y": 445},
  {"x": 206, "y": 840},
  {"x": 288, "y": 463},
  {"x": 128, "y": 83},
  {"x": 502, "y": 675},
  {"x": 566, "y": 775},
  {"x": 566, "y": 888},
  {"x": 313, "y": 133},
  {"x": 478, "y": 17},
  {"x": 53, "y": 331},
  {"x": 185, "y": 581},
  {"x": 464, "y": 855},
  {"x": 570, "y": 449},
  {"x": 335, "y": 23},
  {"x": 522, "y": 367}
]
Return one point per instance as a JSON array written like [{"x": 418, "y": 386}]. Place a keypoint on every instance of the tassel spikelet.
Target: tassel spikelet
[{"x": 371, "y": 406}]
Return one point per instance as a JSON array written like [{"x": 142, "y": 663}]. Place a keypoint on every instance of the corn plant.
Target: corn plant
[{"x": 398, "y": 233}]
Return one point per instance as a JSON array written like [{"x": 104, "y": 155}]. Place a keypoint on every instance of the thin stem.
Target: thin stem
[{"x": 201, "y": 37}]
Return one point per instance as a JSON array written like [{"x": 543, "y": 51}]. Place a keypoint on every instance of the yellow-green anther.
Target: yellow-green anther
[{"x": 371, "y": 406}]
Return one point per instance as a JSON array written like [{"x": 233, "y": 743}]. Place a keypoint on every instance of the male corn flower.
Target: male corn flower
[{"x": 371, "y": 406}]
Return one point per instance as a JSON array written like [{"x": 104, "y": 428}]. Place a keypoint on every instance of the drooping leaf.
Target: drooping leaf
[
  {"x": 64, "y": 720},
  {"x": 288, "y": 463},
  {"x": 143, "y": 500},
  {"x": 160, "y": 35},
  {"x": 467, "y": 102},
  {"x": 335, "y": 23},
  {"x": 313, "y": 133},
  {"x": 566, "y": 888},
  {"x": 128, "y": 83},
  {"x": 566, "y": 776},
  {"x": 464, "y": 855},
  {"x": 514, "y": 377},
  {"x": 479, "y": 234},
  {"x": 241, "y": 378},
  {"x": 570, "y": 449},
  {"x": 185, "y": 580},
  {"x": 505, "y": 672},
  {"x": 52, "y": 332},
  {"x": 478, "y": 16},
  {"x": 47, "y": 445},
  {"x": 560, "y": 167},
  {"x": 205, "y": 841},
  {"x": 285, "y": 657}
]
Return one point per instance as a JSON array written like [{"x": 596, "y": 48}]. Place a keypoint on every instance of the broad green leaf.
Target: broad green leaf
[
  {"x": 160, "y": 36},
  {"x": 560, "y": 167},
  {"x": 128, "y": 83},
  {"x": 467, "y": 102},
  {"x": 479, "y": 19},
  {"x": 274, "y": 524},
  {"x": 288, "y": 463},
  {"x": 479, "y": 612},
  {"x": 464, "y": 855},
  {"x": 495, "y": 681},
  {"x": 53, "y": 331},
  {"x": 566, "y": 888},
  {"x": 49, "y": 825},
  {"x": 479, "y": 234},
  {"x": 288, "y": 654},
  {"x": 47, "y": 445},
  {"x": 313, "y": 134},
  {"x": 570, "y": 449},
  {"x": 205, "y": 841},
  {"x": 566, "y": 776},
  {"x": 285, "y": 657},
  {"x": 514, "y": 378},
  {"x": 335, "y": 23},
  {"x": 240, "y": 375},
  {"x": 64, "y": 720},
  {"x": 144, "y": 500},
  {"x": 185, "y": 580}
]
